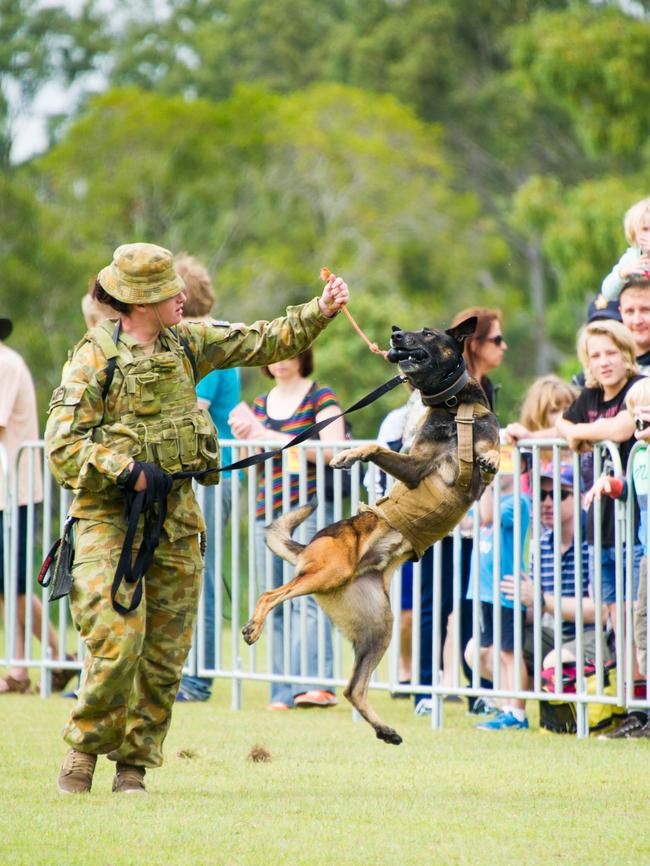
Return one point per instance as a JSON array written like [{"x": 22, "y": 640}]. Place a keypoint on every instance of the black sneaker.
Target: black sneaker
[
  {"x": 644, "y": 732},
  {"x": 628, "y": 728},
  {"x": 483, "y": 707}
]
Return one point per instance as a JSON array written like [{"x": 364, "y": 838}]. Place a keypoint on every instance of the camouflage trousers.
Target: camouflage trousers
[{"x": 133, "y": 663}]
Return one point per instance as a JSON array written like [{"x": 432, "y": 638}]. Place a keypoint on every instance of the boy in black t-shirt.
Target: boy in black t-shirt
[{"x": 607, "y": 354}]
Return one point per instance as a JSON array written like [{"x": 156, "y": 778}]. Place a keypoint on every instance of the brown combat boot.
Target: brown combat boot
[
  {"x": 76, "y": 776},
  {"x": 129, "y": 779}
]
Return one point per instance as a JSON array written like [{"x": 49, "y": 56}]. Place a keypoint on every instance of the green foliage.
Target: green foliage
[
  {"x": 605, "y": 97},
  {"x": 39, "y": 42},
  {"x": 435, "y": 154},
  {"x": 267, "y": 189}
]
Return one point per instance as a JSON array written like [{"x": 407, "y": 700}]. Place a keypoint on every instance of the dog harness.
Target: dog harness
[{"x": 430, "y": 511}]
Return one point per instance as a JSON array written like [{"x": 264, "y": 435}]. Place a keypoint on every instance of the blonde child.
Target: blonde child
[
  {"x": 544, "y": 402},
  {"x": 636, "y": 258}
]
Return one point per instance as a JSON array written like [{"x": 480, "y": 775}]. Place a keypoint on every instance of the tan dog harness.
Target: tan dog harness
[{"x": 432, "y": 509}]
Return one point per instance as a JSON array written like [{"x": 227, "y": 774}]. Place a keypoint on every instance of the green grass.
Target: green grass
[{"x": 332, "y": 793}]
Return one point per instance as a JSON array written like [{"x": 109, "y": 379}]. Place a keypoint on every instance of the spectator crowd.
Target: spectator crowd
[{"x": 523, "y": 607}]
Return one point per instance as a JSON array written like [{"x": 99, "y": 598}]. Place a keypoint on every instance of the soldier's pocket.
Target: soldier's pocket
[
  {"x": 104, "y": 631},
  {"x": 143, "y": 392},
  {"x": 171, "y": 614}
]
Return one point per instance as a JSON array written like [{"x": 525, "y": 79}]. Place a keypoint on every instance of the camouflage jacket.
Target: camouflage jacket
[{"x": 83, "y": 459}]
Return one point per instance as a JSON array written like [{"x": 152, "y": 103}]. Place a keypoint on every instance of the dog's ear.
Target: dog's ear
[{"x": 464, "y": 329}]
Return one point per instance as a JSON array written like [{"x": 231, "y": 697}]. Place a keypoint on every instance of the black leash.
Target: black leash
[
  {"x": 263, "y": 456},
  {"x": 152, "y": 501}
]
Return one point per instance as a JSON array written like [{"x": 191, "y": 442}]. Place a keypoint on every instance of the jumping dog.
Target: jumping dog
[{"x": 348, "y": 565}]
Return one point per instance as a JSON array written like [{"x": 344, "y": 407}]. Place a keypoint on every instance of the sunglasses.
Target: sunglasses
[
  {"x": 498, "y": 340},
  {"x": 548, "y": 494}
]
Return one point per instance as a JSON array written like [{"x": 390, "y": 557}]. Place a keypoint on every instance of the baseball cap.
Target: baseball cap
[
  {"x": 566, "y": 473},
  {"x": 600, "y": 308}
]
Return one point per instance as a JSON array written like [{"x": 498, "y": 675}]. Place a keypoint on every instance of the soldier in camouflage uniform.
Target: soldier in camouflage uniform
[{"x": 133, "y": 662}]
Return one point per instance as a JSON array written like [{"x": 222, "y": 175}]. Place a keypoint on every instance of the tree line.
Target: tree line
[{"x": 437, "y": 155}]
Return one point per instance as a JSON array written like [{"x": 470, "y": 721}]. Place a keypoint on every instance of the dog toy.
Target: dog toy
[{"x": 325, "y": 274}]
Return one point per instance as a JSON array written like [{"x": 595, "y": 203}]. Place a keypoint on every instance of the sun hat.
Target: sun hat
[{"x": 141, "y": 274}]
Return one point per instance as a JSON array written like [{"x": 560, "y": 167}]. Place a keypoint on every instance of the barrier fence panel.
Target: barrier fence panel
[{"x": 297, "y": 646}]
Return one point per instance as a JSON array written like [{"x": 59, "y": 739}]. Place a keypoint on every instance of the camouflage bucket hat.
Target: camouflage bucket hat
[{"x": 141, "y": 274}]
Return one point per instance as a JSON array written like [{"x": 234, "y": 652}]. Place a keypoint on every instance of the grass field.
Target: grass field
[{"x": 332, "y": 793}]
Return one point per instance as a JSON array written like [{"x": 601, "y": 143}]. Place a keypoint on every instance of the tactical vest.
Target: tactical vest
[
  {"x": 430, "y": 511},
  {"x": 151, "y": 412}
]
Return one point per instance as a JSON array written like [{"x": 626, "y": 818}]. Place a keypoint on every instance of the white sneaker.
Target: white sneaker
[{"x": 423, "y": 707}]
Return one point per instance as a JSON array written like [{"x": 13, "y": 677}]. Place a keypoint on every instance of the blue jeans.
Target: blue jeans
[
  {"x": 286, "y": 691},
  {"x": 608, "y": 572},
  {"x": 194, "y": 687}
]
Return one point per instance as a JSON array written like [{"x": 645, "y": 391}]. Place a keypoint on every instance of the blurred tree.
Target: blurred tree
[
  {"x": 267, "y": 189},
  {"x": 39, "y": 43},
  {"x": 450, "y": 62}
]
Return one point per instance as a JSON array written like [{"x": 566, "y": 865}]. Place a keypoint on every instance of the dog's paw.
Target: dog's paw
[
  {"x": 488, "y": 465},
  {"x": 344, "y": 459},
  {"x": 389, "y": 735},
  {"x": 251, "y": 632}
]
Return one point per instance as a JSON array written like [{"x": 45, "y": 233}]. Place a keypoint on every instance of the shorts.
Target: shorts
[
  {"x": 21, "y": 552},
  {"x": 589, "y": 646},
  {"x": 407, "y": 586},
  {"x": 507, "y": 626},
  {"x": 548, "y": 646},
  {"x": 608, "y": 572}
]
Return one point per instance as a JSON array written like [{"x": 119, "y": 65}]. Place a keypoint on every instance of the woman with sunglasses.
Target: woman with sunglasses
[{"x": 484, "y": 350}]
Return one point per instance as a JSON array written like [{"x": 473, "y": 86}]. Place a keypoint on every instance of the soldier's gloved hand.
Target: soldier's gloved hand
[
  {"x": 150, "y": 478},
  {"x": 137, "y": 480}
]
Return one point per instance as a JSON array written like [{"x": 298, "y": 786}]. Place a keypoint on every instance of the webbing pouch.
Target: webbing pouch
[{"x": 56, "y": 570}]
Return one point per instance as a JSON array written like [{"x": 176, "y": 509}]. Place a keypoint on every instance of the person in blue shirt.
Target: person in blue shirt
[
  {"x": 219, "y": 393},
  {"x": 513, "y": 715}
]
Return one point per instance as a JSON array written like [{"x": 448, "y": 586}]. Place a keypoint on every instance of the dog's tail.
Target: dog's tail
[{"x": 278, "y": 534}]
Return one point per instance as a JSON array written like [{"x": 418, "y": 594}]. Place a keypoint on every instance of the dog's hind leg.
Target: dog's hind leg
[
  {"x": 362, "y": 612},
  {"x": 368, "y": 652},
  {"x": 310, "y": 579}
]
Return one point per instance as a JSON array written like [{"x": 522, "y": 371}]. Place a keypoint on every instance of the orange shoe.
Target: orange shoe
[
  {"x": 316, "y": 698},
  {"x": 278, "y": 705}
]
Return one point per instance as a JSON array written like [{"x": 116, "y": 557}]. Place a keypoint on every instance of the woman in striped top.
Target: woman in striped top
[{"x": 294, "y": 403}]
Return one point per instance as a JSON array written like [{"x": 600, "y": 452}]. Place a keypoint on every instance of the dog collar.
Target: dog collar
[{"x": 447, "y": 394}]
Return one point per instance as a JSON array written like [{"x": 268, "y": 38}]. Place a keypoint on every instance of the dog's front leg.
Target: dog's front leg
[{"x": 408, "y": 468}]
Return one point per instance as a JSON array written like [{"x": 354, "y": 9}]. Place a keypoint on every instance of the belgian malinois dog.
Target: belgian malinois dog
[{"x": 348, "y": 565}]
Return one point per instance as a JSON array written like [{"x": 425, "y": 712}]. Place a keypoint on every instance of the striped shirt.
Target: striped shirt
[
  {"x": 567, "y": 573},
  {"x": 318, "y": 397}
]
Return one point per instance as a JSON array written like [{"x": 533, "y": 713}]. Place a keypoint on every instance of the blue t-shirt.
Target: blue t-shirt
[
  {"x": 221, "y": 389},
  {"x": 486, "y": 549}
]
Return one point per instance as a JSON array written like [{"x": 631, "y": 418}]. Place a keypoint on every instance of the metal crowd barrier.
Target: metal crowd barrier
[{"x": 237, "y": 584}]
